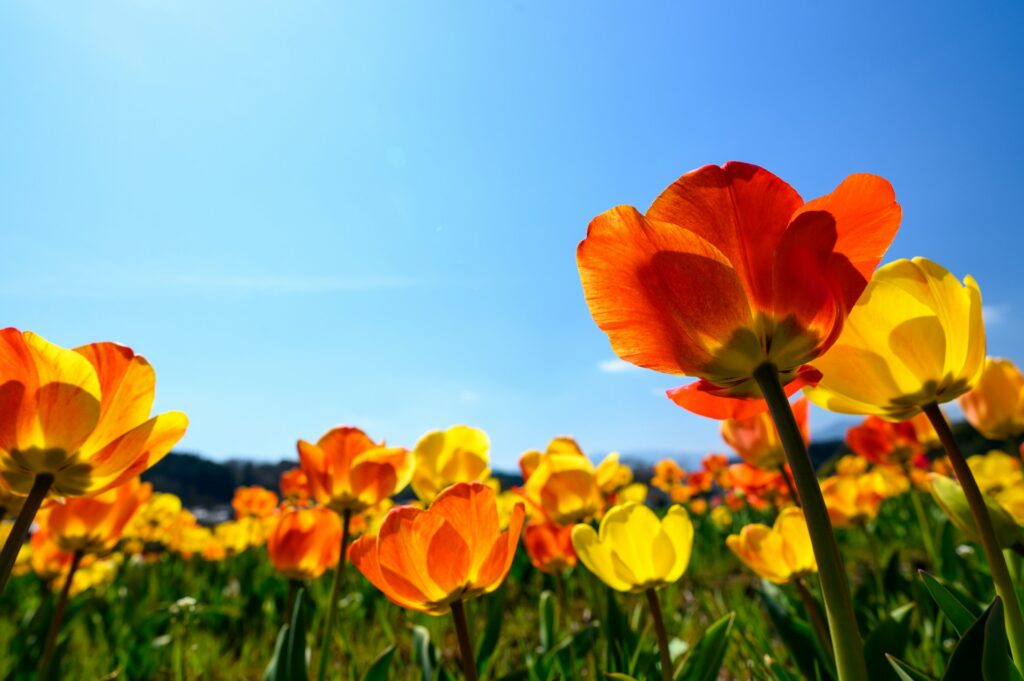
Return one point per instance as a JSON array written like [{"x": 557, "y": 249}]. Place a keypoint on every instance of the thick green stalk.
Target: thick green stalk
[
  {"x": 9, "y": 554},
  {"x": 814, "y": 615},
  {"x": 986, "y": 534},
  {"x": 659, "y": 629},
  {"x": 835, "y": 589},
  {"x": 58, "y": 618},
  {"x": 465, "y": 646},
  {"x": 332, "y": 605}
]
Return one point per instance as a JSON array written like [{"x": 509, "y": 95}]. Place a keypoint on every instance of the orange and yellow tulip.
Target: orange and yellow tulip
[
  {"x": 561, "y": 483},
  {"x": 756, "y": 439},
  {"x": 305, "y": 543},
  {"x": 779, "y": 553},
  {"x": 730, "y": 270},
  {"x": 995, "y": 406},
  {"x": 445, "y": 457},
  {"x": 294, "y": 485},
  {"x": 452, "y": 551},
  {"x": 852, "y": 500},
  {"x": 348, "y": 471},
  {"x": 95, "y": 524},
  {"x": 549, "y": 546},
  {"x": 254, "y": 502},
  {"x": 78, "y": 418}
]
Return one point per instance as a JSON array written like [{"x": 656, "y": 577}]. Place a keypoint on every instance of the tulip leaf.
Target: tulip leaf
[
  {"x": 982, "y": 652},
  {"x": 381, "y": 667},
  {"x": 807, "y": 652},
  {"x": 907, "y": 673},
  {"x": 546, "y": 603},
  {"x": 888, "y": 638},
  {"x": 425, "y": 654},
  {"x": 619, "y": 677},
  {"x": 960, "y": 612},
  {"x": 492, "y": 632},
  {"x": 291, "y": 660},
  {"x": 621, "y": 639},
  {"x": 705, "y": 661}
]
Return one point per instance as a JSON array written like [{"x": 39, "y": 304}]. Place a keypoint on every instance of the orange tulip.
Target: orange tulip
[
  {"x": 348, "y": 471},
  {"x": 883, "y": 442},
  {"x": 995, "y": 406},
  {"x": 81, "y": 416},
  {"x": 294, "y": 486},
  {"x": 305, "y": 543},
  {"x": 48, "y": 560},
  {"x": 254, "y": 502},
  {"x": 728, "y": 270},
  {"x": 426, "y": 560},
  {"x": 549, "y": 546},
  {"x": 756, "y": 440},
  {"x": 95, "y": 524}
]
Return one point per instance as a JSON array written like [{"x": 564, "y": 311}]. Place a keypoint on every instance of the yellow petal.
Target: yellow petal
[{"x": 597, "y": 557}]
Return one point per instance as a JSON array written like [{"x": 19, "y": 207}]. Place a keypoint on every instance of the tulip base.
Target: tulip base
[
  {"x": 986, "y": 534},
  {"x": 465, "y": 646},
  {"x": 835, "y": 588},
  {"x": 9, "y": 554}
]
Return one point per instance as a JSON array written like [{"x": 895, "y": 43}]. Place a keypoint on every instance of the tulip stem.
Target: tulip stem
[
  {"x": 293, "y": 587},
  {"x": 659, "y": 629},
  {"x": 465, "y": 647},
  {"x": 835, "y": 588},
  {"x": 332, "y": 604},
  {"x": 9, "y": 554},
  {"x": 789, "y": 484},
  {"x": 58, "y": 618},
  {"x": 814, "y": 615},
  {"x": 986, "y": 533}
]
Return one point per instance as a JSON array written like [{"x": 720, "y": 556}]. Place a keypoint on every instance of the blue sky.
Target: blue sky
[{"x": 310, "y": 213}]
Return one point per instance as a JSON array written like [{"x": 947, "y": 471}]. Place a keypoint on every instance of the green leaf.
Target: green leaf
[
  {"x": 951, "y": 499},
  {"x": 982, "y": 652},
  {"x": 619, "y": 677},
  {"x": 801, "y": 642},
  {"x": 422, "y": 651},
  {"x": 907, "y": 673},
  {"x": 546, "y": 603},
  {"x": 960, "y": 612},
  {"x": 291, "y": 660},
  {"x": 705, "y": 662},
  {"x": 888, "y": 638},
  {"x": 492, "y": 632},
  {"x": 379, "y": 670},
  {"x": 620, "y": 637},
  {"x": 995, "y": 663}
]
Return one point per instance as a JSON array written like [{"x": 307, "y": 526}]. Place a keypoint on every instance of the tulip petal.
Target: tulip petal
[
  {"x": 631, "y": 530},
  {"x": 678, "y": 528},
  {"x": 499, "y": 561},
  {"x": 666, "y": 297},
  {"x": 66, "y": 416},
  {"x": 472, "y": 509},
  {"x": 135, "y": 451},
  {"x": 700, "y": 397},
  {"x": 597, "y": 557},
  {"x": 127, "y": 386},
  {"x": 363, "y": 554}
]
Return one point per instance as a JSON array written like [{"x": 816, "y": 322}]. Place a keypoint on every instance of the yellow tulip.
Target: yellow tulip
[
  {"x": 951, "y": 499},
  {"x": 994, "y": 471},
  {"x": 634, "y": 550},
  {"x": 721, "y": 516},
  {"x": 915, "y": 338},
  {"x": 852, "y": 500},
  {"x": 561, "y": 483},
  {"x": 779, "y": 553},
  {"x": 445, "y": 457},
  {"x": 995, "y": 407},
  {"x": 612, "y": 475}
]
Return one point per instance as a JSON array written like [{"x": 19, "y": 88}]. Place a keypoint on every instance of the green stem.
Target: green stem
[
  {"x": 293, "y": 588},
  {"x": 986, "y": 533},
  {"x": 789, "y": 484},
  {"x": 835, "y": 589},
  {"x": 659, "y": 629},
  {"x": 58, "y": 618},
  {"x": 922, "y": 520},
  {"x": 40, "y": 488},
  {"x": 465, "y": 647},
  {"x": 875, "y": 558},
  {"x": 332, "y": 605},
  {"x": 814, "y": 615}
]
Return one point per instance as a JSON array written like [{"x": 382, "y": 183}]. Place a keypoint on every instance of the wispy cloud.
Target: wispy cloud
[
  {"x": 470, "y": 396},
  {"x": 615, "y": 366},
  {"x": 995, "y": 314}
]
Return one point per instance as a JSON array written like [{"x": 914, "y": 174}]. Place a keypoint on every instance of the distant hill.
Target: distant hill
[{"x": 209, "y": 485}]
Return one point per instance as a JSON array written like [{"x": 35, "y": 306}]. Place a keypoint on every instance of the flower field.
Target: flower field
[{"x": 898, "y": 557}]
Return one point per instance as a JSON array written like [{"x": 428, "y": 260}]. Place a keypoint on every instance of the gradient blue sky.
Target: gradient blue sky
[{"x": 310, "y": 213}]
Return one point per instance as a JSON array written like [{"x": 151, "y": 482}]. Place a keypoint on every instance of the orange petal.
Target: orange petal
[
  {"x": 403, "y": 551},
  {"x": 472, "y": 509},
  {"x": 341, "y": 445},
  {"x": 740, "y": 208},
  {"x": 137, "y": 450},
  {"x": 666, "y": 297},
  {"x": 700, "y": 397},
  {"x": 363, "y": 554},
  {"x": 372, "y": 481},
  {"x": 66, "y": 416},
  {"x": 127, "y": 385},
  {"x": 16, "y": 362},
  {"x": 499, "y": 561}
]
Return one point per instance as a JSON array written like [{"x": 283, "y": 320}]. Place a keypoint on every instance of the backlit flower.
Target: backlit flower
[
  {"x": 82, "y": 415},
  {"x": 348, "y": 471},
  {"x": 454, "y": 550},
  {"x": 95, "y": 524},
  {"x": 779, "y": 553},
  {"x": 304, "y": 543},
  {"x": 633, "y": 550},
  {"x": 995, "y": 407},
  {"x": 884, "y": 442},
  {"x": 728, "y": 270},
  {"x": 255, "y": 501},
  {"x": 445, "y": 457},
  {"x": 549, "y": 546},
  {"x": 561, "y": 483},
  {"x": 852, "y": 500},
  {"x": 995, "y": 470},
  {"x": 294, "y": 486},
  {"x": 915, "y": 337}
]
